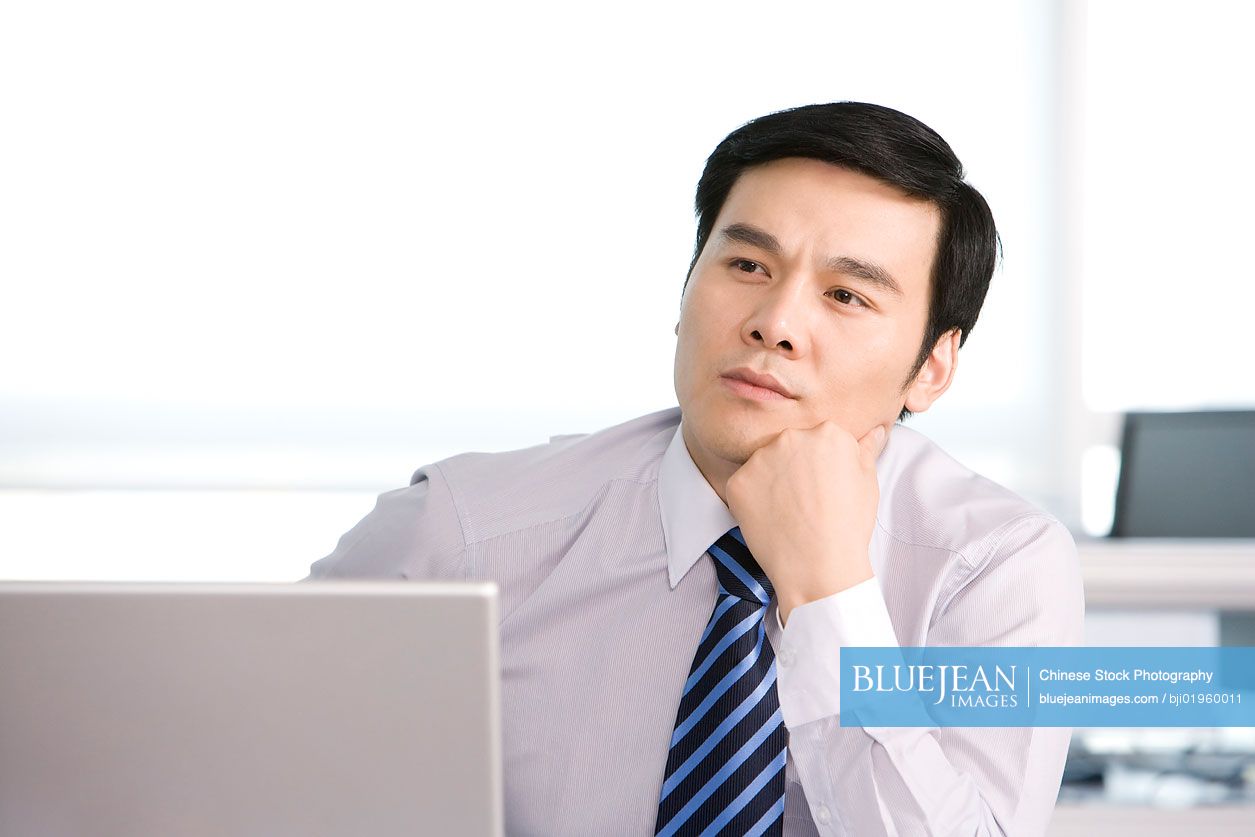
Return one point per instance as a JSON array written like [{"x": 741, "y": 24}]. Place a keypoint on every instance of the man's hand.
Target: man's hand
[{"x": 806, "y": 504}]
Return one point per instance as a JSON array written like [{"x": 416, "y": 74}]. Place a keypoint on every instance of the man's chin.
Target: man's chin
[{"x": 736, "y": 442}]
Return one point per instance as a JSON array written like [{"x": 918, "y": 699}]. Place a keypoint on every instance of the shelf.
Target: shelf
[{"x": 1159, "y": 572}]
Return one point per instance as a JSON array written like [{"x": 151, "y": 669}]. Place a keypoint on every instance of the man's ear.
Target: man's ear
[{"x": 936, "y": 374}]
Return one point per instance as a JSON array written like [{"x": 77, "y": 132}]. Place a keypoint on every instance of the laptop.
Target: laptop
[
  {"x": 1186, "y": 475},
  {"x": 328, "y": 708}
]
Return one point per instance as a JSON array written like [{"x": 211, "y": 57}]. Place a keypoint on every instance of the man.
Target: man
[{"x": 675, "y": 589}]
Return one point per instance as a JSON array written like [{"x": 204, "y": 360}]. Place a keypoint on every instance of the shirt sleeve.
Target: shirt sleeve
[
  {"x": 412, "y": 533},
  {"x": 934, "y": 780},
  {"x": 809, "y": 678}
]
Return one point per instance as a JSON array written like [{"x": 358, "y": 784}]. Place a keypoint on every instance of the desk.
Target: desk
[
  {"x": 1151, "y": 573},
  {"x": 1160, "y": 572},
  {"x": 1137, "y": 821}
]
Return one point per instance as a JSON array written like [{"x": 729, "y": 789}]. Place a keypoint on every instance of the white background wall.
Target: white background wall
[{"x": 262, "y": 260}]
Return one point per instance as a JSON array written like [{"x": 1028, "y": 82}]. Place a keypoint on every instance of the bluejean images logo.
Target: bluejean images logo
[
  {"x": 972, "y": 687},
  {"x": 1054, "y": 686}
]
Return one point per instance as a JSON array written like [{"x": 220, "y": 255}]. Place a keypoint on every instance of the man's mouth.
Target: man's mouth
[{"x": 757, "y": 385}]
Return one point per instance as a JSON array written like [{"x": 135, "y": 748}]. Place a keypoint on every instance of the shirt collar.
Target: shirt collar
[{"x": 693, "y": 516}]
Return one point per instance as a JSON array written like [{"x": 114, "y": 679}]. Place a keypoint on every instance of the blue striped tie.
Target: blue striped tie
[{"x": 725, "y": 771}]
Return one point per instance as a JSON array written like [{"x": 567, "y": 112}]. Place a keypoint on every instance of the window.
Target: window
[{"x": 271, "y": 247}]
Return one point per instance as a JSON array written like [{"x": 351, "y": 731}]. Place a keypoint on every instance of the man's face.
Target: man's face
[{"x": 796, "y": 281}]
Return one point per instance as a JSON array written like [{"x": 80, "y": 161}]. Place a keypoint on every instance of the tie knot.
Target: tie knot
[{"x": 739, "y": 574}]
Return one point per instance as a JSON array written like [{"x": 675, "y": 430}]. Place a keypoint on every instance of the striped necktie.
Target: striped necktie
[{"x": 725, "y": 771}]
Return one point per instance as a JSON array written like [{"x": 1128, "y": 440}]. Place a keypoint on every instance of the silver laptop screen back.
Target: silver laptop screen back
[{"x": 328, "y": 708}]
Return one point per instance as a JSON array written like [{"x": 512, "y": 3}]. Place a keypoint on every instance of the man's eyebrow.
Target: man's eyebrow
[
  {"x": 753, "y": 236},
  {"x": 864, "y": 271},
  {"x": 868, "y": 272}
]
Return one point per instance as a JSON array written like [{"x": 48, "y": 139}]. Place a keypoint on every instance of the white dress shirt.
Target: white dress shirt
[{"x": 598, "y": 544}]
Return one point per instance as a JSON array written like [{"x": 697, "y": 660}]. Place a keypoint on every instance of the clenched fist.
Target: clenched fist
[{"x": 806, "y": 504}]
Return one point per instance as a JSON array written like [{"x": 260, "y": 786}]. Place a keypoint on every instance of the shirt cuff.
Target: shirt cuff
[{"x": 808, "y": 661}]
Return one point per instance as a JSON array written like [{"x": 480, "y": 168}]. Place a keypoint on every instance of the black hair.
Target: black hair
[{"x": 896, "y": 149}]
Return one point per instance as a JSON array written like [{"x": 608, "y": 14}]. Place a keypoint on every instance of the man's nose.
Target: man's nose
[{"x": 781, "y": 319}]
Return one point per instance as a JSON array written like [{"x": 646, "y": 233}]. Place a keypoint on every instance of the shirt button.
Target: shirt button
[
  {"x": 822, "y": 815},
  {"x": 785, "y": 657}
]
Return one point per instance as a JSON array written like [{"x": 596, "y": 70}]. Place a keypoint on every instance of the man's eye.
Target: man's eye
[
  {"x": 745, "y": 265},
  {"x": 846, "y": 298}
]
